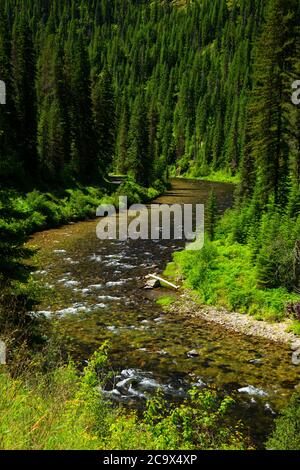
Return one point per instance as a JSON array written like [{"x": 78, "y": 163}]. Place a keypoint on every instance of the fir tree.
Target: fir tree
[
  {"x": 104, "y": 119},
  {"x": 24, "y": 94},
  {"x": 138, "y": 142}
]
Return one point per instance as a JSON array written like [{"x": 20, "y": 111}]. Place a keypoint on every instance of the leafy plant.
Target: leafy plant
[{"x": 286, "y": 435}]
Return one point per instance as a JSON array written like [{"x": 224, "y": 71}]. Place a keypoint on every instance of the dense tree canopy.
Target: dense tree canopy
[
  {"x": 79, "y": 74},
  {"x": 145, "y": 86}
]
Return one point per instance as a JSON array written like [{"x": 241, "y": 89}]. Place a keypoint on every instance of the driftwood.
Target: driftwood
[
  {"x": 160, "y": 279},
  {"x": 2, "y": 353}
]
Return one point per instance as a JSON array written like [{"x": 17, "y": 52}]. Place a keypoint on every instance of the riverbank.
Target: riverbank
[
  {"x": 224, "y": 274},
  {"x": 220, "y": 176},
  {"x": 67, "y": 410},
  {"x": 187, "y": 304},
  {"x": 41, "y": 210}
]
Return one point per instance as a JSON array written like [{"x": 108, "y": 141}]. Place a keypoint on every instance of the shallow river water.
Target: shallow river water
[{"x": 98, "y": 294}]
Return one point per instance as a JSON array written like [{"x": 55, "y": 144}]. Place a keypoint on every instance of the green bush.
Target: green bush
[
  {"x": 137, "y": 194},
  {"x": 286, "y": 435},
  {"x": 295, "y": 327},
  {"x": 223, "y": 273},
  {"x": 63, "y": 410},
  {"x": 46, "y": 210}
]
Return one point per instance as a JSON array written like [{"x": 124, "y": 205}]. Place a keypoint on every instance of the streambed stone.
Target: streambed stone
[{"x": 193, "y": 353}]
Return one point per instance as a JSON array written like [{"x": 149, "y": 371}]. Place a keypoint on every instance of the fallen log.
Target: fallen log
[{"x": 158, "y": 278}]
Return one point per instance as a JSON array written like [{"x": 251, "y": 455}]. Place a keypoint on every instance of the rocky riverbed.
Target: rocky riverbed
[{"x": 187, "y": 304}]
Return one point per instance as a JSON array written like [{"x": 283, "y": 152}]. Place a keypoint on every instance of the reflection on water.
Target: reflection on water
[{"x": 99, "y": 294}]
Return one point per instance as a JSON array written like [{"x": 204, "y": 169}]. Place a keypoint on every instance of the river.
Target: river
[{"x": 97, "y": 294}]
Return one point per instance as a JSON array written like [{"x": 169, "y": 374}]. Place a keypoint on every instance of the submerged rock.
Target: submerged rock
[
  {"x": 193, "y": 353},
  {"x": 115, "y": 283},
  {"x": 124, "y": 382},
  {"x": 95, "y": 286},
  {"x": 256, "y": 361},
  {"x": 149, "y": 384},
  {"x": 199, "y": 384}
]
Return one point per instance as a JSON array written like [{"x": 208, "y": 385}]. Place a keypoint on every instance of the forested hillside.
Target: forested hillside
[{"x": 139, "y": 84}]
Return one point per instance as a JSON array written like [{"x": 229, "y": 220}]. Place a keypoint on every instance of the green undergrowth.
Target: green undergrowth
[
  {"x": 223, "y": 274},
  {"x": 205, "y": 174},
  {"x": 286, "y": 434},
  {"x": 295, "y": 327},
  {"x": 66, "y": 410},
  {"x": 47, "y": 209},
  {"x": 165, "y": 301}
]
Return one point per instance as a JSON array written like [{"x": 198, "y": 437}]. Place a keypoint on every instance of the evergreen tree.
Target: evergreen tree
[
  {"x": 267, "y": 126},
  {"x": 24, "y": 94},
  {"x": 122, "y": 138},
  {"x": 138, "y": 142},
  {"x": 84, "y": 161},
  {"x": 8, "y": 163},
  {"x": 53, "y": 136},
  {"x": 104, "y": 119}
]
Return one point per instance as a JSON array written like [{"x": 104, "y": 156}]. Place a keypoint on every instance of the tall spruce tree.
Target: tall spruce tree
[
  {"x": 138, "y": 142},
  {"x": 104, "y": 115},
  {"x": 23, "y": 60},
  {"x": 121, "y": 146},
  {"x": 267, "y": 124}
]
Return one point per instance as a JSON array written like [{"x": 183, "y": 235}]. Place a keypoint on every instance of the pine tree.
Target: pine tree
[
  {"x": 8, "y": 163},
  {"x": 24, "y": 94},
  {"x": 104, "y": 115},
  {"x": 121, "y": 151},
  {"x": 53, "y": 136},
  {"x": 293, "y": 133},
  {"x": 266, "y": 116},
  {"x": 84, "y": 160},
  {"x": 138, "y": 143}
]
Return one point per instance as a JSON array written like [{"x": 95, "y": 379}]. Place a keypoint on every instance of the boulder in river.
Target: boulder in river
[
  {"x": 296, "y": 357},
  {"x": 152, "y": 283},
  {"x": 295, "y": 345}
]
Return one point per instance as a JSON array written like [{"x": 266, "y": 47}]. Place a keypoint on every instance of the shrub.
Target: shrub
[
  {"x": 45, "y": 205},
  {"x": 200, "y": 422},
  {"x": 63, "y": 410},
  {"x": 286, "y": 435},
  {"x": 223, "y": 274}
]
